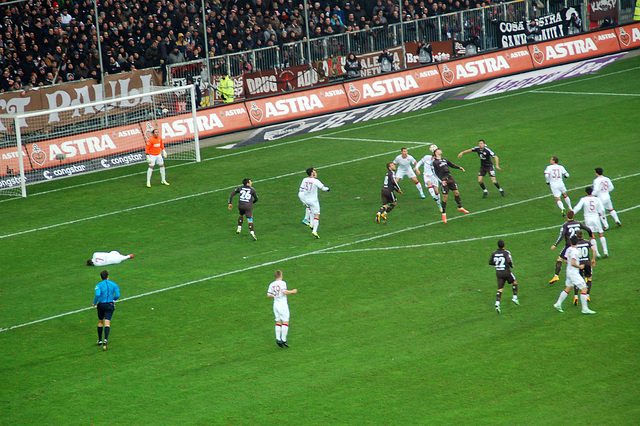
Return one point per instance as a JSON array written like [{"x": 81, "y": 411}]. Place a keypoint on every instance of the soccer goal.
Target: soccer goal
[{"x": 45, "y": 145}]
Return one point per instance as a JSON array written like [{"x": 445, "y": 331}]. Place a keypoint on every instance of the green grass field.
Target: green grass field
[{"x": 391, "y": 324}]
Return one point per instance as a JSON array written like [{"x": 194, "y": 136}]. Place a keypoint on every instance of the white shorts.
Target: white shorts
[
  {"x": 431, "y": 180},
  {"x": 557, "y": 189},
  {"x": 156, "y": 159},
  {"x": 595, "y": 224},
  {"x": 402, "y": 172},
  {"x": 575, "y": 280},
  {"x": 606, "y": 201},
  {"x": 314, "y": 205},
  {"x": 281, "y": 312}
]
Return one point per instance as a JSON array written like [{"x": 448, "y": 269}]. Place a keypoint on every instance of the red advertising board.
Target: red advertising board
[
  {"x": 297, "y": 105},
  {"x": 629, "y": 36},
  {"x": 211, "y": 122},
  {"x": 481, "y": 67},
  {"x": 386, "y": 87},
  {"x": 569, "y": 49}
]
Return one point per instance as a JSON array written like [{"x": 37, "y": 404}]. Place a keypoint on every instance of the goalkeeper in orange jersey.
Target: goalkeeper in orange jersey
[{"x": 155, "y": 155}]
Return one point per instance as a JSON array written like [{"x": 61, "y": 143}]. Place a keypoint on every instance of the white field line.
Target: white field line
[
  {"x": 336, "y": 132},
  {"x": 330, "y": 250},
  {"x": 370, "y": 140},
  {"x": 558, "y": 92},
  {"x": 229, "y": 188}
]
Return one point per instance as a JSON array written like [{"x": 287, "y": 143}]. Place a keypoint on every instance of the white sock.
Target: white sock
[
  {"x": 316, "y": 223},
  {"x": 307, "y": 215},
  {"x": 603, "y": 241},
  {"x": 584, "y": 302},
  {"x": 560, "y": 206},
  {"x": 278, "y": 332},
  {"x": 593, "y": 243},
  {"x": 162, "y": 174},
  {"x": 568, "y": 201},
  {"x": 419, "y": 186},
  {"x": 432, "y": 191},
  {"x": 239, "y": 228},
  {"x": 614, "y": 215},
  {"x": 285, "y": 331},
  {"x": 149, "y": 172},
  {"x": 563, "y": 295}
]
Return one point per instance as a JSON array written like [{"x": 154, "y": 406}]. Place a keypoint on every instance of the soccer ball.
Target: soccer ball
[{"x": 433, "y": 148}]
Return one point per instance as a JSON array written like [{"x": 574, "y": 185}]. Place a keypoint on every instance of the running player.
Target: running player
[
  {"x": 441, "y": 169},
  {"x": 503, "y": 262},
  {"x": 593, "y": 218},
  {"x": 567, "y": 230},
  {"x": 248, "y": 197},
  {"x": 308, "y": 194},
  {"x": 486, "y": 166},
  {"x": 574, "y": 279},
  {"x": 554, "y": 175},
  {"x": 602, "y": 187},
  {"x": 404, "y": 161}
]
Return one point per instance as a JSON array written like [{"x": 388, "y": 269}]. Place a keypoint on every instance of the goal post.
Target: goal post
[{"x": 44, "y": 145}]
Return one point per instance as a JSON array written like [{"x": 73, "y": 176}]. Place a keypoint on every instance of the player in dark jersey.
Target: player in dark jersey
[
  {"x": 248, "y": 196},
  {"x": 486, "y": 166},
  {"x": 441, "y": 169},
  {"x": 503, "y": 262},
  {"x": 389, "y": 185},
  {"x": 567, "y": 231},
  {"x": 584, "y": 246}
]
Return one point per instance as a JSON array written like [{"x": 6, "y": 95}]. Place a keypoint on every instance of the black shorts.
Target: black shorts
[
  {"x": 563, "y": 252},
  {"x": 505, "y": 277},
  {"x": 484, "y": 170},
  {"x": 247, "y": 211},
  {"x": 587, "y": 272},
  {"x": 388, "y": 197},
  {"x": 450, "y": 186},
  {"x": 105, "y": 310}
]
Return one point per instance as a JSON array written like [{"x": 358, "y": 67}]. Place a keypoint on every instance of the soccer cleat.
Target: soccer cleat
[
  {"x": 558, "y": 308},
  {"x": 279, "y": 343},
  {"x": 498, "y": 310},
  {"x": 588, "y": 311},
  {"x": 575, "y": 300},
  {"x": 439, "y": 204},
  {"x": 502, "y": 192},
  {"x": 253, "y": 237},
  {"x": 515, "y": 300},
  {"x": 423, "y": 196},
  {"x": 619, "y": 223},
  {"x": 485, "y": 194},
  {"x": 99, "y": 343},
  {"x": 148, "y": 185},
  {"x": 564, "y": 212},
  {"x": 463, "y": 210},
  {"x": 284, "y": 344},
  {"x": 383, "y": 216},
  {"x": 315, "y": 234},
  {"x": 104, "y": 345},
  {"x": 554, "y": 279},
  {"x": 588, "y": 298},
  {"x": 378, "y": 215},
  {"x": 586, "y": 280},
  {"x": 606, "y": 255},
  {"x": 444, "y": 217},
  {"x": 131, "y": 256},
  {"x": 306, "y": 222},
  {"x": 238, "y": 230},
  {"x": 164, "y": 182}
]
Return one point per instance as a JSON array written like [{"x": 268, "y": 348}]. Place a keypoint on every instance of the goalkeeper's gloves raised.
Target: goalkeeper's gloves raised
[
  {"x": 148, "y": 158},
  {"x": 164, "y": 153}
]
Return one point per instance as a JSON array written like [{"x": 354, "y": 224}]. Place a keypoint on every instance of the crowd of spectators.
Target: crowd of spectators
[{"x": 43, "y": 42}]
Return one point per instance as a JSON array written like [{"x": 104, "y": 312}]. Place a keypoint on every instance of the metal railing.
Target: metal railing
[{"x": 474, "y": 25}]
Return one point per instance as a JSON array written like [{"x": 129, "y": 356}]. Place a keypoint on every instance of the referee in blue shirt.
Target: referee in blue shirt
[{"x": 107, "y": 292}]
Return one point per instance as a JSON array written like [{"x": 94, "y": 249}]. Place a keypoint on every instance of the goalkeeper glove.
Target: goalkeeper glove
[
  {"x": 148, "y": 158},
  {"x": 164, "y": 153}
]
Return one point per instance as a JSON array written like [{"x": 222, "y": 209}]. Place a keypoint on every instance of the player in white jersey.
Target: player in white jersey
[
  {"x": 602, "y": 186},
  {"x": 308, "y": 194},
  {"x": 593, "y": 218},
  {"x": 431, "y": 181},
  {"x": 574, "y": 279},
  {"x": 404, "y": 161},
  {"x": 554, "y": 174},
  {"x": 278, "y": 290},
  {"x": 101, "y": 258}
]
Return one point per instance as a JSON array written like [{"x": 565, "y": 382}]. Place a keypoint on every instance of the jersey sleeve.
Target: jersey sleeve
[
  {"x": 233, "y": 194},
  {"x": 116, "y": 292}
]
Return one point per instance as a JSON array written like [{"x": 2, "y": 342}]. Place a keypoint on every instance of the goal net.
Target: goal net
[{"x": 45, "y": 145}]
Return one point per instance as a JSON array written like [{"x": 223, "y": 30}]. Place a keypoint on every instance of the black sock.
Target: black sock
[
  {"x": 498, "y": 296},
  {"x": 390, "y": 207},
  {"x": 106, "y": 333},
  {"x": 497, "y": 185},
  {"x": 99, "y": 333},
  {"x": 484, "y": 188},
  {"x": 444, "y": 206},
  {"x": 514, "y": 287},
  {"x": 459, "y": 201},
  {"x": 558, "y": 267}
]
